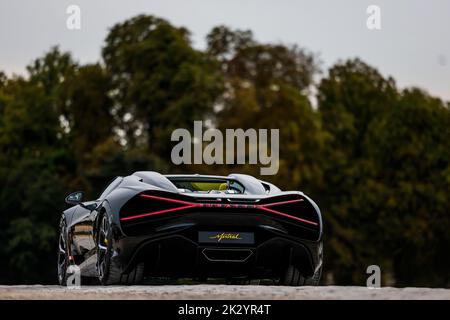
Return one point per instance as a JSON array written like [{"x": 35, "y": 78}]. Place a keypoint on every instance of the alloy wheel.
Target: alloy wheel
[
  {"x": 102, "y": 246},
  {"x": 62, "y": 255}
]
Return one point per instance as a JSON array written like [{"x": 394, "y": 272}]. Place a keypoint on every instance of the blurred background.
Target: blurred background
[{"x": 363, "y": 115}]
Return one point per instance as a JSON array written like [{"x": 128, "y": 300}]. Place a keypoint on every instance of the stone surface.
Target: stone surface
[{"x": 208, "y": 291}]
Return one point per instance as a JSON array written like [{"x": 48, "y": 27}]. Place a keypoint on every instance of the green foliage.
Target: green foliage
[
  {"x": 161, "y": 82},
  {"x": 411, "y": 152},
  {"x": 375, "y": 158},
  {"x": 85, "y": 105},
  {"x": 387, "y": 177},
  {"x": 350, "y": 99},
  {"x": 264, "y": 84},
  {"x": 49, "y": 71}
]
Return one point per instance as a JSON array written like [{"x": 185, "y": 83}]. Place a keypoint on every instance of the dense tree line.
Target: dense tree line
[{"x": 375, "y": 157}]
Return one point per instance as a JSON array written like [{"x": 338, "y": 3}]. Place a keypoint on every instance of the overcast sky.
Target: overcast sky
[{"x": 413, "y": 45}]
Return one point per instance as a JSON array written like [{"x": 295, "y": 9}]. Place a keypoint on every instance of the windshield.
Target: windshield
[{"x": 208, "y": 185}]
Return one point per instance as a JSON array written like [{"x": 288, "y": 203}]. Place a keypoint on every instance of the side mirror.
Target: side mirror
[{"x": 74, "y": 197}]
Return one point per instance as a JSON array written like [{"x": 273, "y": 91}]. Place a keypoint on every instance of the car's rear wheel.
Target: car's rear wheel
[
  {"x": 294, "y": 277},
  {"x": 63, "y": 255},
  {"x": 315, "y": 279},
  {"x": 109, "y": 273}
]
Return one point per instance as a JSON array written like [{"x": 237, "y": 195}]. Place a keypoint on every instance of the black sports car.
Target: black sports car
[{"x": 195, "y": 226}]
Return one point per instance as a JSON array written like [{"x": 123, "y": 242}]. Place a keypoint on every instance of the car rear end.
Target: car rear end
[{"x": 219, "y": 235}]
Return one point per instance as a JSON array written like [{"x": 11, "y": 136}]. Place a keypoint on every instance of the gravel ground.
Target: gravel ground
[{"x": 208, "y": 291}]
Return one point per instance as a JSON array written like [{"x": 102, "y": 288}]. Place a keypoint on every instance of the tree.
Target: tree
[
  {"x": 50, "y": 70},
  {"x": 86, "y": 108},
  {"x": 31, "y": 161},
  {"x": 411, "y": 149},
  {"x": 385, "y": 178},
  {"x": 352, "y": 98},
  {"x": 161, "y": 82},
  {"x": 265, "y": 83}
]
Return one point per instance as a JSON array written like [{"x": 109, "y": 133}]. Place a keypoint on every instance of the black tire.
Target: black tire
[
  {"x": 292, "y": 277},
  {"x": 315, "y": 279},
  {"x": 109, "y": 273},
  {"x": 62, "y": 254}
]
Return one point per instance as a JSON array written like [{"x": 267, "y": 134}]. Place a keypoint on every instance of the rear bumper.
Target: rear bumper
[{"x": 171, "y": 247}]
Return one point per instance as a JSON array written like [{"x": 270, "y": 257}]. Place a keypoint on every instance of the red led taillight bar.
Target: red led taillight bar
[{"x": 187, "y": 205}]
